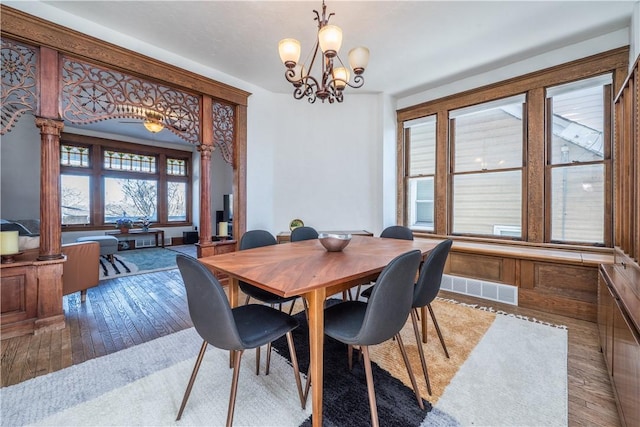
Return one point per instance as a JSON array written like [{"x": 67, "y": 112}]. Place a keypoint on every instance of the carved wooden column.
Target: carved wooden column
[
  {"x": 205, "y": 246},
  {"x": 50, "y": 220},
  {"x": 205, "y": 198},
  {"x": 240, "y": 177}
]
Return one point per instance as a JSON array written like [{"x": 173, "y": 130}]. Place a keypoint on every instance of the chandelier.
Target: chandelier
[
  {"x": 153, "y": 122},
  {"x": 334, "y": 75}
]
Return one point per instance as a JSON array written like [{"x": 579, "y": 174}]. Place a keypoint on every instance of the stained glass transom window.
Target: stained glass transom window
[
  {"x": 71, "y": 155},
  {"x": 116, "y": 160},
  {"x": 176, "y": 167}
]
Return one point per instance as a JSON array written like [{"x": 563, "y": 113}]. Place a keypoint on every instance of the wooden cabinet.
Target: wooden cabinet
[
  {"x": 30, "y": 296},
  {"x": 619, "y": 326},
  {"x": 19, "y": 299},
  {"x": 223, "y": 247}
]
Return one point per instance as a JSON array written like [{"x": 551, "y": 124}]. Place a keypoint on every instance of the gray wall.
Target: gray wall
[{"x": 20, "y": 171}]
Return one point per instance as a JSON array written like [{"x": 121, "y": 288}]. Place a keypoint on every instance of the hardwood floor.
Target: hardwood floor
[{"x": 121, "y": 313}]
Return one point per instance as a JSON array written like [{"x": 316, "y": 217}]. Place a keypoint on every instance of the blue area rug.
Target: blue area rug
[{"x": 137, "y": 261}]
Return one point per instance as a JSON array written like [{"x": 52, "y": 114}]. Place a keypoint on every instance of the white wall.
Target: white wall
[
  {"x": 634, "y": 34},
  {"x": 565, "y": 54},
  {"x": 326, "y": 163}
]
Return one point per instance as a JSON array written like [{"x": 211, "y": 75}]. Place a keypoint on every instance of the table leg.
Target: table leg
[
  {"x": 234, "y": 291},
  {"x": 315, "y": 301}
]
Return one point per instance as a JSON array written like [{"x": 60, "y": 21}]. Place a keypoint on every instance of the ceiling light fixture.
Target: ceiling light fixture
[
  {"x": 332, "y": 80},
  {"x": 153, "y": 122}
]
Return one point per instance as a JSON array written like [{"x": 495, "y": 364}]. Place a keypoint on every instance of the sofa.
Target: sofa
[
  {"x": 81, "y": 270},
  {"x": 28, "y": 232}
]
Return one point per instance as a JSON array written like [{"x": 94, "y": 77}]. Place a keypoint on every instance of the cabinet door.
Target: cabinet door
[
  {"x": 18, "y": 295},
  {"x": 626, "y": 368},
  {"x": 605, "y": 320}
]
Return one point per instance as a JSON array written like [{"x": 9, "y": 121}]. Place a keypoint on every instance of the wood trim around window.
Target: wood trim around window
[
  {"x": 535, "y": 209},
  {"x": 97, "y": 145}
]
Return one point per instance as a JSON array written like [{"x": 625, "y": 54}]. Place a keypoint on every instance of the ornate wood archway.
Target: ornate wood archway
[{"x": 59, "y": 74}]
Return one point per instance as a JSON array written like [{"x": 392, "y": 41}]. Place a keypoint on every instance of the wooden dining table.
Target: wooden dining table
[{"x": 305, "y": 268}]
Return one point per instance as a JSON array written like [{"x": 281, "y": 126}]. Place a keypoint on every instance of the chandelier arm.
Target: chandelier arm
[{"x": 358, "y": 81}]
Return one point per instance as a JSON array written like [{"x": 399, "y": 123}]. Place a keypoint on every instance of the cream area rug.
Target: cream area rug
[{"x": 503, "y": 371}]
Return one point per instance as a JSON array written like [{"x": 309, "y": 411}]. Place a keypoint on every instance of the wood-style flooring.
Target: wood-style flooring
[{"x": 121, "y": 313}]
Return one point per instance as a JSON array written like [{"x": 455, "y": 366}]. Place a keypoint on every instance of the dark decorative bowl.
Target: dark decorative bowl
[{"x": 334, "y": 242}]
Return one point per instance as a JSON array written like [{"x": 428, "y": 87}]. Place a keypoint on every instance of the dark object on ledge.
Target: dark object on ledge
[{"x": 30, "y": 227}]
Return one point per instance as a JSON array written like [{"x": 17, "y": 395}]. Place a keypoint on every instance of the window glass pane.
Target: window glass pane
[
  {"x": 75, "y": 199},
  {"x": 176, "y": 167},
  {"x": 578, "y": 123},
  {"x": 577, "y": 205},
  {"x": 177, "y": 199},
  {"x": 132, "y": 198},
  {"x": 422, "y": 149},
  {"x": 488, "y": 203},
  {"x": 489, "y": 139},
  {"x": 71, "y": 155},
  {"x": 421, "y": 203},
  {"x": 115, "y": 160}
]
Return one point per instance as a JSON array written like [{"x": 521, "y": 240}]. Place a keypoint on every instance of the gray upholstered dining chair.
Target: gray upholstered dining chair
[
  {"x": 392, "y": 232},
  {"x": 425, "y": 291},
  {"x": 256, "y": 239},
  {"x": 357, "y": 323},
  {"x": 237, "y": 329},
  {"x": 303, "y": 233},
  {"x": 397, "y": 232}
]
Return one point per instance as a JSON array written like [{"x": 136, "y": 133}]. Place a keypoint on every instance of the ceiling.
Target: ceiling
[{"x": 415, "y": 45}]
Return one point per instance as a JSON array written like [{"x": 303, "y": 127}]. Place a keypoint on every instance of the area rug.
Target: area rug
[
  {"x": 185, "y": 249},
  {"x": 515, "y": 375},
  {"x": 137, "y": 261}
]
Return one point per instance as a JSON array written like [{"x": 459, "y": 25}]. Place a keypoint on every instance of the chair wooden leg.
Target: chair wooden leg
[
  {"x": 307, "y": 386},
  {"x": 410, "y": 371},
  {"x": 194, "y": 373},
  {"x": 296, "y": 369},
  {"x": 358, "y": 292},
  {"x": 246, "y": 301},
  {"x": 350, "y": 356},
  {"x": 371, "y": 391},
  {"x": 83, "y": 295},
  {"x": 414, "y": 320},
  {"x": 435, "y": 322},
  {"x": 266, "y": 371},
  {"x": 257, "y": 360},
  {"x": 234, "y": 386}
]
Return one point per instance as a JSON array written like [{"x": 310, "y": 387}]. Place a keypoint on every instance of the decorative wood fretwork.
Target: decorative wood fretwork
[
  {"x": 91, "y": 93},
  {"x": 19, "y": 82},
  {"x": 223, "y": 129}
]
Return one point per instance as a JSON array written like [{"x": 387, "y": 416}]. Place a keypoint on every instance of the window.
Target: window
[
  {"x": 104, "y": 180},
  {"x": 528, "y": 158},
  {"x": 577, "y": 154},
  {"x": 487, "y": 161},
  {"x": 420, "y": 139},
  {"x": 75, "y": 199},
  {"x": 132, "y": 198}
]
